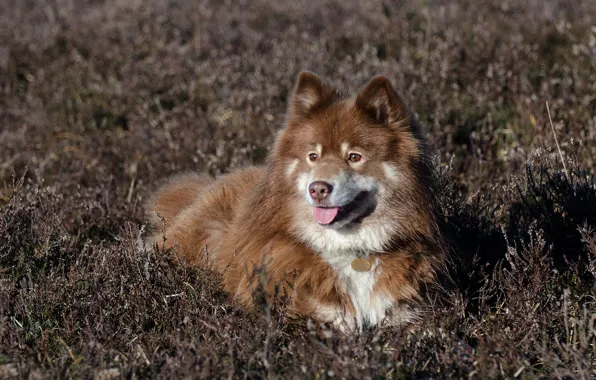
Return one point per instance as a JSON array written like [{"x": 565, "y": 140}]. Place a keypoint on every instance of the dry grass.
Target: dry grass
[{"x": 101, "y": 99}]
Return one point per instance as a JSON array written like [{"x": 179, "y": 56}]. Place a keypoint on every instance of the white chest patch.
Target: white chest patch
[{"x": 371, "y": 308}]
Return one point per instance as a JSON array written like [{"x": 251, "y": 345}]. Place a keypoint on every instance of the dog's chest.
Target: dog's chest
[{"x": 370, "y": 305}]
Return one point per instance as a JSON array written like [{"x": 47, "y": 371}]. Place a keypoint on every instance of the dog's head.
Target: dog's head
[{"x": 347, "y": 161}]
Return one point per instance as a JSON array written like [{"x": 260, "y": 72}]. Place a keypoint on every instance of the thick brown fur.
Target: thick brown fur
[{"x": 255, "y": 226}]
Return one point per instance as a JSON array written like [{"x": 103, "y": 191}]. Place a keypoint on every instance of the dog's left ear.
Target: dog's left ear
[{"x": 381, "y": 102}]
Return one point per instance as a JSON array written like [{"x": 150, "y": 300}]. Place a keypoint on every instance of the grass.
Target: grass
[{"x": 101, "y": 100}]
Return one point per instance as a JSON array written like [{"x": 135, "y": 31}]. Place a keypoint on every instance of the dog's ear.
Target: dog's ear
[
  {"x": 309, "y": 92},
  {"x": 380, "y": 101}
]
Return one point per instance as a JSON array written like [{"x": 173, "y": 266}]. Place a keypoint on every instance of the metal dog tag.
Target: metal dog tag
[{"x": 361, "y": 265}]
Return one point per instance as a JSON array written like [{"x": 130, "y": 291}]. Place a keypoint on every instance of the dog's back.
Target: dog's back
[
  {"x": 194, "y": 212},
  {"x": 174, "y": 196}
]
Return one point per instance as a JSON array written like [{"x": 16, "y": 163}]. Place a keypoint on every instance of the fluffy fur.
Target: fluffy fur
[{"x": 348, "y": 177}]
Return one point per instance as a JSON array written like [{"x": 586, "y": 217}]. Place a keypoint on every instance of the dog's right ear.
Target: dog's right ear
[{"x": 309, "y": 92}]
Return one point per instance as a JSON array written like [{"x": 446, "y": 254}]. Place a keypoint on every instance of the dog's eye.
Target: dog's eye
[
  {"x": 354, "y": 157},
  {"x": 313, "y": 156}
]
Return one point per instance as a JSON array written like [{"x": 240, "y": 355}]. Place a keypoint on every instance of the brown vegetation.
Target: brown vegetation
[{"x": 99, "y": 100}]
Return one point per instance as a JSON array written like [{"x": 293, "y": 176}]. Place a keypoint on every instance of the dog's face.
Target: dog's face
[
  {"x": 344, "y": 158},
  {"x": 337, "y": 183}
]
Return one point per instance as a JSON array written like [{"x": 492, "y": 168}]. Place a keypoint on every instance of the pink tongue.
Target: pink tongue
[{"x": 325, "y": 215}]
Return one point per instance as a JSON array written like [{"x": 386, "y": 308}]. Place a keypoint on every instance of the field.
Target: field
[{"x": 102, "y": 99}]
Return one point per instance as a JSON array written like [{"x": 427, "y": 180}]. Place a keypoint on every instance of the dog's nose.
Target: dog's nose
[{"x": 319, "y": 190}]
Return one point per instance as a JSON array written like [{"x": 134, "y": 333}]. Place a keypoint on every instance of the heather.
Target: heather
[{"x": 101, "y": 100}]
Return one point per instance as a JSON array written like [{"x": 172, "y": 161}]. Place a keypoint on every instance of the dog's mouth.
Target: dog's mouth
[{"x": 330, "y": 215}]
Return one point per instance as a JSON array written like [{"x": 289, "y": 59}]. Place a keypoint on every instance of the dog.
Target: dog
[{"x": 342, "y": 220}]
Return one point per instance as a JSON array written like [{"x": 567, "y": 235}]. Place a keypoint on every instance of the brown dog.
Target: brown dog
[{"x": 342, "y": 219}]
